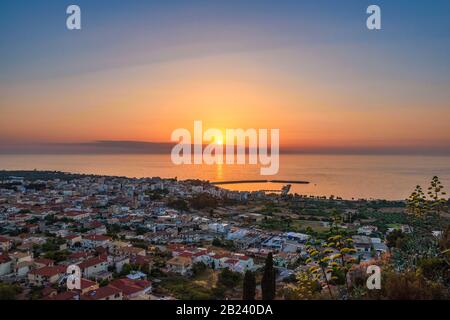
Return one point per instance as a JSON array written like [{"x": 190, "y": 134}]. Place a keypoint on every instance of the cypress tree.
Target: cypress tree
[
  {"x": 268, "y": 279},
  {"x": 249, "y": 286}
]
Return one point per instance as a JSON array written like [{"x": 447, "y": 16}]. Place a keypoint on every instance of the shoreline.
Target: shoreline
[
  {"x": 259, "y": 181},
  {"x": 63, "y": 175}
]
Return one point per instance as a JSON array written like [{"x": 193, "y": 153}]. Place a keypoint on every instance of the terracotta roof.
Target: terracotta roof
[
  {"x": 49, "y": 271},
  {"x": 127, "y": 286},
  {"x": 78, "y": 255},
  {"x": 44, "y": 261},
  {"x": 75, "y": 213},
  {"x": 220, "y": 256},
  {"x": 186, "y": 254},
  {"x": 131, "y": 250},
  {"x": 97, "y": 237},
  {"x": 143, "y": 283},
  {"x": 92, "y": 262},
  {"x": 200, "y": 253},
  {"x": 48, "y": 291},
  {"x": 96, "y": 224},
  {"x": 180, "y": 260},
  {"x": 68, "y": 295},
  {"x": 4, "y": 258},
  {"x": 231, "y": 261},
  {"x": 72, "y": 236},
  {"x": 101, "y": 293},
  {"x": 87, "y": 283}
]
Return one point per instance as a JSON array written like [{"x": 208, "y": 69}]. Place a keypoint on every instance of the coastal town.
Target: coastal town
[{"x": 164, "y": 239}]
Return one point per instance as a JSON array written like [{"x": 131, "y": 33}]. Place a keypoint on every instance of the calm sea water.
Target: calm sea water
[{"x": 380, "y": 177}]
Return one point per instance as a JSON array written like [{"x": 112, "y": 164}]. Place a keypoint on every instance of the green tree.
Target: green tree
[
  {"x": 203, "y": 200},
  {"x": 437, "y": 201},
  {"x": 198, "y": 268},
  {"x": 331, "y": 260},
  {"x": 417, "y": 204},
  {"x": 305, "y": 288},
  {"x": 8, "y": 292},
  {"x": 444, "y": 245},
  {"x": 268, "y": 285},
  {"x": 396, "y": 239},
  {"x": 229, "y": 279},
  {"x": 178, "y": 204},
  {"x": 216, "y": 242},
  {"x": 249, "y": 286},
  {"x": 411, "y": 286},
  {"x": 126, "y": 269}
]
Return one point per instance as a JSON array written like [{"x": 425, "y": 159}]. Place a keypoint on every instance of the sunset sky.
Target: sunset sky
[{"x": 140, "y": 69}]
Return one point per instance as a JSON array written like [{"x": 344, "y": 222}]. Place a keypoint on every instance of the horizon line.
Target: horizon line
[{"x": 146, "y": 147}]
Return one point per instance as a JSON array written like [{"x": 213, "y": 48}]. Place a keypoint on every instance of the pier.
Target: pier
[{"x": 260, "y": 181}]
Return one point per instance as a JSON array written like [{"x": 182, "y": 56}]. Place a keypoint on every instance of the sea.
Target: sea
[{"x": 390, "y": 177}]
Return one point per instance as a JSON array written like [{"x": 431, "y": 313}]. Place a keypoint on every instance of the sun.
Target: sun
[{"x": 219, "y": 141}]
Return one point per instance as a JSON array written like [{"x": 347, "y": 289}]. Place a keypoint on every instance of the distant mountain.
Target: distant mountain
[{"x": 142, "y": 147}]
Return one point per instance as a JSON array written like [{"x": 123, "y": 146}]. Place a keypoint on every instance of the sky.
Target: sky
[{"x": 140, "y": 69}]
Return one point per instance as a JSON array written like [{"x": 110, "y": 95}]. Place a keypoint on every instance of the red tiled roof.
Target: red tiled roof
[
  {"x": 141, "y": 260},
  {"x": 200, "y": 253},
  {"x": 72, "y": 236},
  {"x": 143, "y": 283},
  {"x": 186, "y": 254},
  {"x": 49, "y": 271},
  {"x": 97, "y": 237},
  {"x": 74, "y": 213},
  {"x": 68, "y": 295},
  {"x": 78, "y": 255},
  {"x": 220, "y": 256},
  {"x": 87, "y": 283},
  {"x": 95, "y": 224},
  {"x": 44, "y": 261},
  {"x": 127, "y": 286},
  {"x": 232, "y": 261},
  {"x": 92, "y": 262},
  {"x": 4, "y": 258},
  {"x": 101, "y": 293},
  {"x": 47, "y": 291}
]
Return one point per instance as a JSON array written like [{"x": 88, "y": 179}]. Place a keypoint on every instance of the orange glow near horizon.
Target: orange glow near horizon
[{"x": 147, "y": 103}]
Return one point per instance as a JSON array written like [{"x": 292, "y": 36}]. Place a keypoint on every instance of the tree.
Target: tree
[
  {"x": 229, "y": 279},
  {"x": 178, "y": 204},
  {"x": 268, "y": 285},
  {"x": 198, "y": 268},
  {"x": 438, "y": 203},
  {"x": 444, "y": 245},
  {"x": 103, "y": 282},
  {"x": 417, "y": 204},
  {"x": 396, "y": 239},
  {"x": 411, "y": 286},
  {"x": 249, "y": 286},
  {"x": 306, "y": 287},
  {"x": 216, "y": 242},
  {"x": 8, "y": 292},
  {"x": 202, "y": 201},
  {"x": 126, "y": 269},
  {"x": 331, "y": 260}
]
